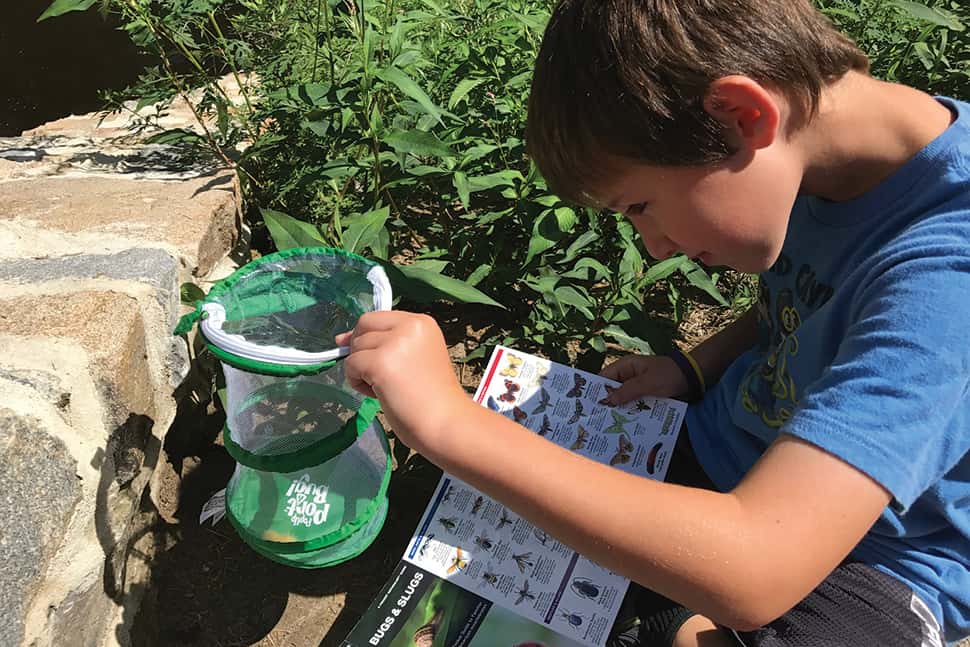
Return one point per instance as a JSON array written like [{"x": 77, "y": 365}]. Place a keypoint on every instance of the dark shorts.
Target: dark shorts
[{"x": 855, "y": 606}]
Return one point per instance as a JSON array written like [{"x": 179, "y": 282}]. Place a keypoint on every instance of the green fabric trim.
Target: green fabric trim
[
  {"x": 330, "y": 538},
  {"x": 187, "y": 321},
  {"x": 319, "y": 452}
]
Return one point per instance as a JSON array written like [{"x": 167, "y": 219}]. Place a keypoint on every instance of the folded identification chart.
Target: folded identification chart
[{"x": 475, "y": 573}]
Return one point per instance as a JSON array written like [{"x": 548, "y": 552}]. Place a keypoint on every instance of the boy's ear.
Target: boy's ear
[{"x": 749, "y": 113}]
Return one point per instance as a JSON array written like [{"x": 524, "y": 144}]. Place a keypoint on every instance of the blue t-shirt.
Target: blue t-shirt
[{"x": 864, "y": 351}]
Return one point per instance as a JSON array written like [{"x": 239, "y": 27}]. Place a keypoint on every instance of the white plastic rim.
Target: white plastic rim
[{"x": 215, "y": 317}]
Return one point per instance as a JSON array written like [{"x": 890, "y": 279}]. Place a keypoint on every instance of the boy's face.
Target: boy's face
[{"x": 734, "y": 213}]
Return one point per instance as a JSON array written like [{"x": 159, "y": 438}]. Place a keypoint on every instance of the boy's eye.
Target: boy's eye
[{"x": 636, "y": 209}]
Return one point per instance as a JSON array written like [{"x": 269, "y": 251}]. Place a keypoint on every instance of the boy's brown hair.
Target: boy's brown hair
[{"x": 627, "y": 79}]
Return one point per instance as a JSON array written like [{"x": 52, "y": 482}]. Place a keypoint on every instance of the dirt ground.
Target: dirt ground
[{"x": 209, "y": 588}]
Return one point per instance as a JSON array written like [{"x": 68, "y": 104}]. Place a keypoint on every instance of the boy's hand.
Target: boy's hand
[
  {"x": 401, "y": 359},
  {"x": 655, "y": 375}
]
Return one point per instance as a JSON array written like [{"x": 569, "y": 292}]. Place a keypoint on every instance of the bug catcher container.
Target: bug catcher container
[{"x": 313, "y": 463}]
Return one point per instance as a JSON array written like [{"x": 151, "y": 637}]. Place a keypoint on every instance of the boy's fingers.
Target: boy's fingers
[
  {"x": 623, "y": 368},
  {"x": 344, "y": 338},
  {"x": 381, "y": 320},
  {"x": 367, "y": 341},
  {"x": 635, "y": 388},
  {"x": 357, "y": 369}
]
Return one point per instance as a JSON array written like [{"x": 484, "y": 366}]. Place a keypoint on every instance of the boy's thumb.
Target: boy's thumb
[
  {"x": 633, "y": 389},
  {"x": 343, "y": 339}
]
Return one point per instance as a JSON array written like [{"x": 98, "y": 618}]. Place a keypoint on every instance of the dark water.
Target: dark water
[{"x": 55, "y": 68}]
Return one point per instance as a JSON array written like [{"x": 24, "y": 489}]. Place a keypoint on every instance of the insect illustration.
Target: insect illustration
[
  {"x": 504, "y": 520},
  {"x": 617, "y": 426},
  {"x": 424, "y": 635},
  {"x": 606, "y": 399},
  {"x": 544, "y": 400},
  {"x": 574, "y": 619},
  {"x": 491, "y": 578},
  {"x": 578, "y": 383},
  {"x": 524, "y": 593},
  {"x": 581, "y": 437},
  {"x": 492, "y": 404},
  {"x": 523, "y": 561},
  {"x": 448, "y": 493},
  {"x": 586, "y": 588},
  {"x": 512, "y": 368},
  {"x": 425, "y": 544},
  {"x": 477, "y": 505},
  {"x": 450, "y": 523},
  {"x": 577, "y": 414},
  {"x": 622, "y": 454},
  {"x": 642, "y": 406},
  {"x": 546, "y": 426},
  {"x": 511, "y": 388},
  {"x": 458, "y": 562},
  {"x": 483, "y": 542},
  {"x": 542, "y": 372},
  {"x": 652, "y": 458},
  {"x": 541, "y": 536},
  {"x": 518, "y": 414}
]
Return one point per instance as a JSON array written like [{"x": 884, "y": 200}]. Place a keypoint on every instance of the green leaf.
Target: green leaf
[
  {"x": 417, "y": 142},
  {"x": 288, "y": 232},
  {"x": 598, "y": 344},
  {"x": 461, "y": 91},
  {"x": 480, "y": 273},
  {"x": 189, "y": 293},
  {"x": 663, "y": 269},
  {"x": 408, "y": 86},
  {"x": 573, "y": 297},
  {"x": 538, "y": 243},
  {"x": 628, "y": 341},
  {"x": 697, "y": 277},
  {"x": 566, "y": 219},
  {"x": 460, "y": 181},
  {"x": 588, "y": 269},
  {"x": 175, "y": 136},
  {"x": 363, "y": 231},
  {"x": 426, "y": 285},
  {"x": 59, "y": 7},
  {"x": 930, "y": 14},
  {"x": 924, "y": 54}
]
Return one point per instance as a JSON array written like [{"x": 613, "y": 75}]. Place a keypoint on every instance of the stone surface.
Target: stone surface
[{"x": 38, "y": 492}]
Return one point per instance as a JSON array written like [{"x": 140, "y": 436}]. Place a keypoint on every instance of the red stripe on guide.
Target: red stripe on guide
[{"x": 488, "y": 378}]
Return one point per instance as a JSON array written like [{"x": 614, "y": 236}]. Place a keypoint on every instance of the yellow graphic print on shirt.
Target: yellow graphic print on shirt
[{"x": 768, "y": 390}]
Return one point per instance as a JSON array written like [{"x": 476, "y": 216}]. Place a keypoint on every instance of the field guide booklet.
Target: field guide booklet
[{"x": 475, "y": 574}]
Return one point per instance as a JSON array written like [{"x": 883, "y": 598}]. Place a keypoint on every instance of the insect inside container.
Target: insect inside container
[
  {"x": 523, "y": 561},
  {"x": 617, "y": 426},
  {"x": 577, "y": 414},
  {"x": 504, "y": 520},
  {"x": 586, "y": 588},
  {"x": 544, "y": 400},
  {"x": 483, "y": 542},
  {"x": 477, "y": 505},
  {"x": 458, "y": 562},
  {"x": 574, "y": 619},
  {"x": 578, "y": 383},
  {"x": 524, "y": 593},
  {"x": 512, "y": 368},
  {"x": 581, "y": 437},
  {"x": 450, "y": 523}
]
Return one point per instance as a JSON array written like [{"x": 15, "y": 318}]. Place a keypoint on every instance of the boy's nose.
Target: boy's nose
[{"x": 660, "y": 247}]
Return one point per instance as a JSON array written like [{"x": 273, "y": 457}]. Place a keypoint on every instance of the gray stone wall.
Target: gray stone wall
[{"x": 96, "y": 235}]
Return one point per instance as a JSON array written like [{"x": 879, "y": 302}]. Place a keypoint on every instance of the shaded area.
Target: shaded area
[{"x": 56, "y": 68}]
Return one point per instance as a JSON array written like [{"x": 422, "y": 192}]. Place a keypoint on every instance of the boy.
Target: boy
[{"x": 825, "y": 481}]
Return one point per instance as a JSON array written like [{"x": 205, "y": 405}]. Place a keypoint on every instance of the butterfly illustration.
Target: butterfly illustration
[
  {"x": 578, "y": 383},
  {"x": 542, "y": 372},
  {"x": 606, "y": 399},
  {"x": 546, "y": 426},
  {"x": 543, "y": 402},
  {"x": 617, "y": 426},
  {"x": 511, "y": 388},
  {"x": 579, "y": 413},
  {"x": 518, "y": 414},
  {"x": 622, "y": 454},
  {"x": 524, "y": 593},
  {"x": 642, "y": 406},
  {"x": 458, "y": 562},
  {"x": 512, "y": 369},
  {"x": 581, "y": 436},
  {"x": 492, "y": 404},
  {"x": 477, "y": 505}
]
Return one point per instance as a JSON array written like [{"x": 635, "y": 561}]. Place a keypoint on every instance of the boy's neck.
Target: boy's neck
[{"x": 864, "y": 131}]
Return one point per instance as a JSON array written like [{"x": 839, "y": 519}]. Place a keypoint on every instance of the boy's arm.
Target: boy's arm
[{"x": 741, "y": 558}]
